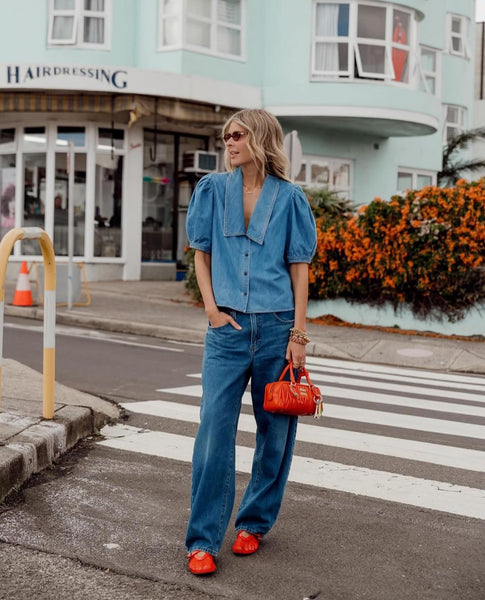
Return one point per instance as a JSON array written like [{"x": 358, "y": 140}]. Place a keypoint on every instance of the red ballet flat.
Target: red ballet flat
[
  {"x": 201, "y": 565},
  {"x": 246, "y": 543}
]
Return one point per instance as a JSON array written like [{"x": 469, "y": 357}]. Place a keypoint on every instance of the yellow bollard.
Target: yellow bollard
[{"x": 6, "y": 246}]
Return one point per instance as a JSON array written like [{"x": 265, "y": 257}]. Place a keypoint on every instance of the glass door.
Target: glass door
[{"x": 158, "y": 197}]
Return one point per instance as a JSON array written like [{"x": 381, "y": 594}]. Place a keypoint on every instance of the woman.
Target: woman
[{"x": 254, "y": 235}]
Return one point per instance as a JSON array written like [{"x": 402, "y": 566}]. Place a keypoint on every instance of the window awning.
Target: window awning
[{"x": 136, "y": 106}]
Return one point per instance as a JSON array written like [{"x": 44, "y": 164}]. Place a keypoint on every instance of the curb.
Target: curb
[
  {"x": 115, "y": 325},
  {"x": 35, "y": 443}
]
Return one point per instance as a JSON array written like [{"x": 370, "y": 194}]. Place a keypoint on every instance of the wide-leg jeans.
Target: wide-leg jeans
[{"x": 231, "y": 359}]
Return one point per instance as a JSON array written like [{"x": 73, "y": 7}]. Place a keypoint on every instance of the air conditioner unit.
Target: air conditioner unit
[{"x": 200, "y": 161}]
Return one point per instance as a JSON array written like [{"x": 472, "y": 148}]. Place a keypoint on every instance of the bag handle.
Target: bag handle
[
  {"x": 302, "y": 372},
  {"x": 292, "y": 376}
]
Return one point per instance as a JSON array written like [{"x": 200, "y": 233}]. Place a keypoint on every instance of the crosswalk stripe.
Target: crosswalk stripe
[
  {"x": 406, "y": 381},
  {"x": 434, "y": 495},
  {"x": 325, "y": 378},
  {"x": 410, "y": 402},
  {"x": 375, "y": 417},
  {"x": 368, "y": 369},
  {"x": 449, "y": 456},
  {"x": 360, "y": 377},
  {"x": 350, "y": 392}
]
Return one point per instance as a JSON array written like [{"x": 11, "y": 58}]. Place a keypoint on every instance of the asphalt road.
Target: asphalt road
[{"x": 109, "y": 520}]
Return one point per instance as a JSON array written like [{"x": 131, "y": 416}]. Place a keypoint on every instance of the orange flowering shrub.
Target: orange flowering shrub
[{"x": 424, "y": 250}]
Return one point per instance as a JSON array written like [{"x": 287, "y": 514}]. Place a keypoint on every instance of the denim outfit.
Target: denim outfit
[{"x": 251, "y": 282}]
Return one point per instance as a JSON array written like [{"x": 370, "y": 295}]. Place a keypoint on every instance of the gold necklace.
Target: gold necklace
[{"x": 253, "y": 191}]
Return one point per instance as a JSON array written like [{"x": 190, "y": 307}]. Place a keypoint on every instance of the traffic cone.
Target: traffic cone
[{"x": 23, "y": 295}]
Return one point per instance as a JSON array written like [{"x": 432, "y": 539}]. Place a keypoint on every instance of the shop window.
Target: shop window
[
  {"x": 412, "y": 179},
  {"x": 76, "y": 135},
  {"x": 454, "y": 122},
  {"x": 108, "y": 205},
  {"x": 8, "y": 174},
  {"x": 82, "y": 23},
  {"x": 457, "y": 35},
  {"x": 429, "y": 69},
  {"x": 158, "y": 197},
  {"x": 110, "y": 139},
  {"x": 210, "y": 26},
  {"x": 34, "y": 194},
  {"x": 108, "y": 193},
  {"x": 34, "y": 139},
  {"x": 7, "y": 138},
  {"x": 334, "y": 173},
  {"x": 62, "y": 200},
  {"x": 355, "y": 40}
]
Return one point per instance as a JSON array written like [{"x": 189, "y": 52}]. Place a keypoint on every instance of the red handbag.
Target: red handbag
[{"x": 292, "y": 397}]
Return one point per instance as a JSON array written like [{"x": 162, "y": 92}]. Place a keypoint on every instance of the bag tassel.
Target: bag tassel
[{"x": 319, "y": 408}]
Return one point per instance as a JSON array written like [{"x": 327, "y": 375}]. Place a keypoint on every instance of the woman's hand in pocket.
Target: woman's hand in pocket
[{"x": 219, "y": 319}]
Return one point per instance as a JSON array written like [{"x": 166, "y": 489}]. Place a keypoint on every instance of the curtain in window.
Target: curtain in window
[
  {"x": 64, "y": 4},
  {"x": 96, "y": 5},
  {"x": 199, "y": 8},
  {"x": 94, "y": 30},
  {"x": 327, "y": 21},
  {"x": 62, "y": 28},
  {"x": 229, "y": 11},
  {"x": 94, "y": 26},
  {"x": 229, "y": 41}
]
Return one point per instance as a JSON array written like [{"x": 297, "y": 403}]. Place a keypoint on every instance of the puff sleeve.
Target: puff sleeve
[
  {"x": 301, "y": 241},
  {"x": 199, "y": 216}
]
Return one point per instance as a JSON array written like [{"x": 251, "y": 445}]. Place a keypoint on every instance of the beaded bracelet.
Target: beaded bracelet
[{"x": 299, "y": 336}]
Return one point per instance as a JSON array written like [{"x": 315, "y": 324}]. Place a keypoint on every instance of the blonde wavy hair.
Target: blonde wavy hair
[{"x": 264, "y": 142}]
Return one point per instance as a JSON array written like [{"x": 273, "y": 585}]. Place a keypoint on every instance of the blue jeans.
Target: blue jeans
[{"x": 231, "y": 358}]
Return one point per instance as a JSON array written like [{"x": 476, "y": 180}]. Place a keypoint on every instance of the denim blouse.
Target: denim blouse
[{"x": 250, "y": 268}]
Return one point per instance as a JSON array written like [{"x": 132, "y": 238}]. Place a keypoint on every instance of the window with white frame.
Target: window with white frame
[
  {"x": 319, "y": 171},
  {"x": 360, "y": 40},
  {"x": 209, "y": 26},
  {"x": 429, "y": 70},
  {"x": 457, "y": 35},
  {"x": 413, "y": 179},
  {"x": 80, "y": 23},
  {"x": 454, "y": 122}
]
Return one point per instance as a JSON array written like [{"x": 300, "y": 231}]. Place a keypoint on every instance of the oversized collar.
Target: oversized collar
[{"x": 234, "y": 210}]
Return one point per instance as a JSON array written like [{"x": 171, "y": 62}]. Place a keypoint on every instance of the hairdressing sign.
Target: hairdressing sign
[
  {"x": 76, "y": 77},
  {"x": 122, "y": 80}
]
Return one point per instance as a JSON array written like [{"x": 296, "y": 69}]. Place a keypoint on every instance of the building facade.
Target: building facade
[
  {"x": 479, "y": 107},
  {"x": 141, "y": 88}
]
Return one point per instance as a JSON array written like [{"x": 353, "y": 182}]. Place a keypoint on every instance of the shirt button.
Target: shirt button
[
  {"x": 246, "y": 254},
  {"x": 245, "y": 293},
  {"x": 245, "y": 272}
]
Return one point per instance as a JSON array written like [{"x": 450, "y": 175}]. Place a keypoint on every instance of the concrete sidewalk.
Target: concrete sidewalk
[{"x": 164, "y": 310}]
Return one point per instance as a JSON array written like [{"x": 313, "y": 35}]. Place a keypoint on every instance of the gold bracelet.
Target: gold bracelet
[{"x": 299, "y": 336}]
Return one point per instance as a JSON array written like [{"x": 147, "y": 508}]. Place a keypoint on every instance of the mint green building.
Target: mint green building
[{"x": 141, "y": 87}]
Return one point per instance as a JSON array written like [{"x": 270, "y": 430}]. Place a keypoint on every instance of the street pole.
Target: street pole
[{"x": 70, "y": 223}]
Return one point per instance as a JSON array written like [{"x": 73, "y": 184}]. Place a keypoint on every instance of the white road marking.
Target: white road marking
[
  {"x": 448, "y": 456},
  {"x": 406, "y": 380},
  {"x": 365, "y": 415},
  {"x": 195, "y": 391},
  {"x": 368, "y": 368},
  {"x": 433, "y": 405},
  {"x": 92, "y": 334},
  {"x": 326, "y": 379},
  {"x": 353, "y": 379},
  {"x": 434, "y": 495}
]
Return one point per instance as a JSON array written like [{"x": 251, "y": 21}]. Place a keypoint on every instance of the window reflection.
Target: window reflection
[
  {"x": 34, "y": 197},
  {"x": 61, "y": 204},
  {"x": 108, "y": 205},
  {"x": 7, "y": 191}
]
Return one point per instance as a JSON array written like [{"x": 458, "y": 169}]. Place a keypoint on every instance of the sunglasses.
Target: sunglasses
[{"x": 235, "y": 135}]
